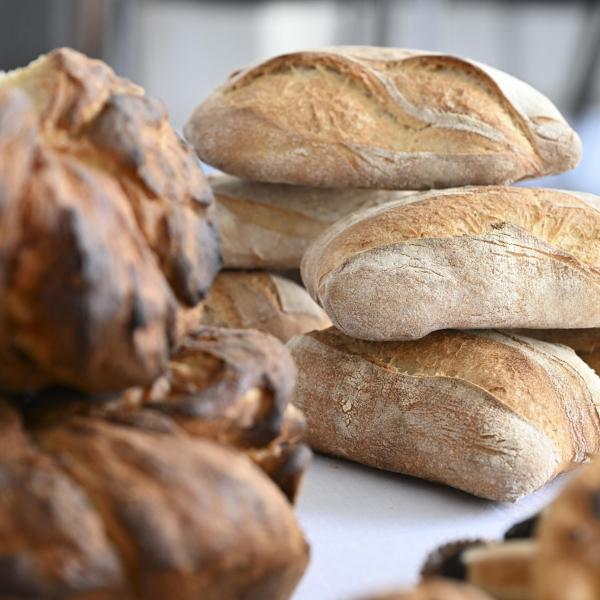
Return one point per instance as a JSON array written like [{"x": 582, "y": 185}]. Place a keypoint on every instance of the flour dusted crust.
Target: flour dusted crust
[
  {"x": 380, "y": 118},
  {"x": 495, "y": 415},
  {"x": 463, "y": 258},
  {"x": 260, "y": 300},
  {"x": 270, "y": 226},
  {"x": 111, "y": 225}
]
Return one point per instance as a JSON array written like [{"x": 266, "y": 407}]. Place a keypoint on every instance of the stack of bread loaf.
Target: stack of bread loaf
[
  {"x": 412, "y": 378},
  {"x": 140, "y": 458}
]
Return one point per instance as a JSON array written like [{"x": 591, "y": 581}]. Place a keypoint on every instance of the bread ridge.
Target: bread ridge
[
  {"x": 502, "y": 130},
  {"x": 425, "y": 424}
]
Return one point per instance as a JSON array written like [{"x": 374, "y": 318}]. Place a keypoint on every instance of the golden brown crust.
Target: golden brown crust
[
  {"x": 270, "y": 226},
  {"x": 263, "y": 301},
  {"x": 492, "y": 256},
  {"x": 96, "y": 510},
  {"x": 492, "y": 414},
  {"x": 380, "y": 118},
  {"x": 103, "y": 179},
  {"x": 229, "y": 386}
]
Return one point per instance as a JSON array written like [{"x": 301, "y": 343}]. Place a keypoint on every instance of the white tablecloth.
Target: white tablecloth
[{"x": 370, "y": 530}]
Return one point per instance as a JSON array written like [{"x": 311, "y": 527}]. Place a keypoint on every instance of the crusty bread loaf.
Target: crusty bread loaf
[
  {"x": 461, "y": 258},
  {"x": 258, "y": 300},
  {"x": 230, "y": 386},
  {"x": 382, "y": 118},
  {"x": 106, "y": 220},
  {"x": 586, "y": 342},
  {"x": 495, "y": 415},
  {"x": 90, "y": 509},
  {"x": 270, "y": 226}
]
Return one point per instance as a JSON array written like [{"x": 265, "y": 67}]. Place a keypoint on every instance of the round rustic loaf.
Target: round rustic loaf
[
  {"x": 158, "y": 492},
  {"x": 567, "y": 563},
  {"x": 110, "y": 227},
  {"x": 380, "y": 118}
]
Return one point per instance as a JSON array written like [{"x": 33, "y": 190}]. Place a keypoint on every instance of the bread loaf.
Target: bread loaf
[
  {"x": 156, "y": 493},
  {"x": 229, "y": 386},
  {"x": 486, "y": 412},
  {"x": 91, "y": 509},
  {"x": 259, "y": 300},
  {"x": 586, "y": 342},
  {"x": 381, "y": 118},
  {"x": 110, "y": 222},
  {"x": 461, "y": 258},
  {"x": 270, "y": 226},
  {"x": 550, "y": 556}
]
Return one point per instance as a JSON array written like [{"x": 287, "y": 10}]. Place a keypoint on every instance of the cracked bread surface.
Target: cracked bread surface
[
  {"x": 491, "y": 256},
  {"x": 380, "y": 118}
]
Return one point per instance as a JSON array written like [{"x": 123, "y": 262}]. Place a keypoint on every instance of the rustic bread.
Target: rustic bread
[
  {"x": 437, "y": 589},
  {"x": 92, "y": 509},
  {"x": 156, "y": 492},
  {"x": 380, "y": 118},
  {"x": 230, "y": 386},
  {"x": 550, "y": 556},
  {"x": 258, "y": 300},
  {"x": 111, "y": 223},
  {"x": 489, "y": 413},
  {"x": 461, "y": 258},
  {"x": 270, "y": 226},
  {"x": 585, "y": 342}
]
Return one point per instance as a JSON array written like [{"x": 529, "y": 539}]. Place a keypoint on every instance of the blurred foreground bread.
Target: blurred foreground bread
[
  {"x": 586, "y": 342},
  {"x": 554, "y": 555},
  {"x": 567, "y": 564},
  {"x": 461, "y": 258},
  {"x": 493, "y": 414},
  {"x": 157, "y": 493},
  {"x": 110, "y": 222},
  {"x": 257, "y": 300},
  {"x": 270, "y": 226},
  {"x": 380, "y": 118},
  {"x": 96, "y": 510}
]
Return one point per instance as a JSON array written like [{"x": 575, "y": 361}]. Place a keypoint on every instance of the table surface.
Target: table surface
[{"x": 370, "y": 530}]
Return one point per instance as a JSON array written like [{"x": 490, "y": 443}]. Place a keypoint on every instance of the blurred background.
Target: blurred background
[{"x": 180, "y": 49}]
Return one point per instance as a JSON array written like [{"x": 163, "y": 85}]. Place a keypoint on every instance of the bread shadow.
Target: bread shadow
[{"x": 340, "y": 488}]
